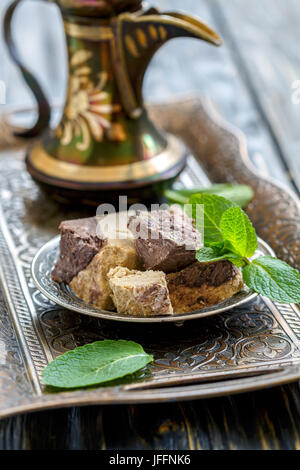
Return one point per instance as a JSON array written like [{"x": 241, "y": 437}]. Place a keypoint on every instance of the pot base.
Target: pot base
[{"x": 139, "y": 181}]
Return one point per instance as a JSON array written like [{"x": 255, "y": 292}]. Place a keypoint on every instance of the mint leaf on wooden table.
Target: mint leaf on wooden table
[
  {"x": 273, "y": 278},
  {"x": 239, "y": 194},
  {"x": 95, "y": 363},
  {"x": 238, "y": 232},
  {"x": 213, "y": 208}
]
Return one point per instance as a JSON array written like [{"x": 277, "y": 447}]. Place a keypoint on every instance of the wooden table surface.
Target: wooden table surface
[{"x": 250, "y": 79}]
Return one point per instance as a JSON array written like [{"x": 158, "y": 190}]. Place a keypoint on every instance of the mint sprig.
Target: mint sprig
[
  {"x": 95, "y": 363},
  {"x": 229, "y": 235}
]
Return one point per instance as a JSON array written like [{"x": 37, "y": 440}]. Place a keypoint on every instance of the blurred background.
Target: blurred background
[{"x": 250, "y": 79}]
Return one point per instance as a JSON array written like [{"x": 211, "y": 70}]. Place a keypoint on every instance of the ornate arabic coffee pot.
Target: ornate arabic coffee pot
[{"x": 105, "y": 139}]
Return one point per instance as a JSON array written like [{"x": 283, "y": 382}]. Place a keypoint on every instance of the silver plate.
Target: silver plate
[{"x": 61, "y": 294}]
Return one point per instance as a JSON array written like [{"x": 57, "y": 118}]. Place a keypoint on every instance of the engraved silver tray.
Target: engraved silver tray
[
  {"x": 248, "y": 347},
  {"x": 61, "y": 294}
]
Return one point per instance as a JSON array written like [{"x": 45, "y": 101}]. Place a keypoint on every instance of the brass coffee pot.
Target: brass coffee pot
[{"x": 105, "y": 140}]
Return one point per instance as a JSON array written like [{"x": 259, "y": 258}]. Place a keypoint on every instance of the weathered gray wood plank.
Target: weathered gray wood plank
[
  {"x": 264, "y": 37},
  {"x": 184, "y": 65}
]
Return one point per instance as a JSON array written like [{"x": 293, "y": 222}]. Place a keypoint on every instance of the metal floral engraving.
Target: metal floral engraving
[{"x": 88, "y": 111}]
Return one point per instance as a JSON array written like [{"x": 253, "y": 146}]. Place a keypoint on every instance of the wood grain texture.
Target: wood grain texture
[
  {"x": 263, "y": 42},
  {"x": 249, "y": 79},
  {"x": 268, "y": 419},
  {"x": 215, "y": 73}
]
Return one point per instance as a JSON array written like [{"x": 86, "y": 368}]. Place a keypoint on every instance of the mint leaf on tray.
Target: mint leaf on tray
[
  {"x": 273, "y": 278},
  {"x": 240, "y": 194},
  {"x": 95, "y": 363}
]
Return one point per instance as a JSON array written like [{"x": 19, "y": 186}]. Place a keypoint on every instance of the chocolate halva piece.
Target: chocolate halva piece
[
  {"x": 166, "y": 240},
  {"x": 140, "y": 293},
  {"x": 91, "y": 284},
  {"x": 201, "y": 285},
  {"x": 79, "y": 243}
]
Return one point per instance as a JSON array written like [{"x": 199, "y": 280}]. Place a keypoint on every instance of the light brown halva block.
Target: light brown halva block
[
  {"x": 91, "y": 284},
  {"x": 140, "y": 293}
]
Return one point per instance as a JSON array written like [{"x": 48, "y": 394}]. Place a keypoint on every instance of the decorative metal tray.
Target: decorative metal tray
[{"x": 252, "y": 346}]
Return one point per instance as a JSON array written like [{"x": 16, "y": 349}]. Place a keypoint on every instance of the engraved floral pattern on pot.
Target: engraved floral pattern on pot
[{"x": 88, "y": 112}]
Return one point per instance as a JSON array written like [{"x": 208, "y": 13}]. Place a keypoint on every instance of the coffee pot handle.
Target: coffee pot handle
[{"x": 44, "y": 110}]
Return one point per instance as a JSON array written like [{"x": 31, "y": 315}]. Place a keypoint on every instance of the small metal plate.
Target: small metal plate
[
  {"x": 250, "y": 346},
  {"x": 61, "y": 294}
]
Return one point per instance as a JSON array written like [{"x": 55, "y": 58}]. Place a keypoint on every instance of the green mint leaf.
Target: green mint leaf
[
  {"x": 217, "y": 245},
  {"x": 238, "y": 262},
  {"x": 207, "y": 254},
  {"x": 273, "y": 278},
  {"x": 95, "y": 363},
  {"x": 240, "y": 194},
  {"x": 213, "y": 207},
  {"x": 176, "y": 196},
  {"x": 238, "y": 232}
]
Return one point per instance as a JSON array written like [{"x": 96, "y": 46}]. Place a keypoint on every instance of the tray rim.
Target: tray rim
[
  {"x": 107, "y": 315},
  {"x": 285, "y": 375}
]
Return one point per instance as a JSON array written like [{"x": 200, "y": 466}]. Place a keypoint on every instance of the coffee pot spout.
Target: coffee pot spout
[{"x": 138, "y": 37}]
